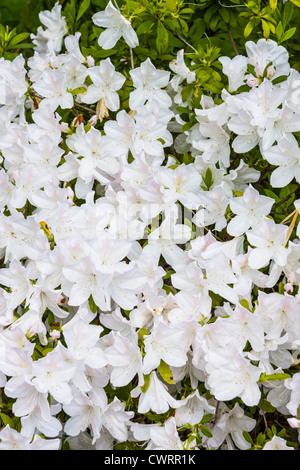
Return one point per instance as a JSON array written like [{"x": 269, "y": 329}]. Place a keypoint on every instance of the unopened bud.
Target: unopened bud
[
  {"x": 55, "y": 334},
  {"x": 90, "y": 61},
  {"x": 64, "y": 126},
  {"x": 270, "y": 72},
  {"x": 259, "y": 71},
  {"x": 252, "y": 82},
  {"x": 93, "y": 120}
]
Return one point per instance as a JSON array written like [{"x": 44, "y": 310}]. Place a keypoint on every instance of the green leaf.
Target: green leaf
[
  {"x": 251, "y": 69},
  {"x": 271, "y": 194},
  {"x": 171, "y": 4},
  {"x": 273, "y": 4},
  {"x": 162, "y": 38},
  {"x": 25, "y": 45},
  {"x": 266, "y": 29},
  {"x": 17, "y": 39},
  {"x": 288, "y": 11},
  {"x": 145, "y": 27},
  {"x": 280, "y": 79},
  {"x": 165, "y": 372},
  {"x": 2, "y": 31},
  {"x": 279, "y": 30},
  {"x": 244, "y": 303},
  {"x": 92, "y": 305},
  {"x": 249, "y": 27},
  {"x": 205, "y": 431},
  {"x": 272, "y": 377},
  {"x": 143, "y": 332},
  {"x": 266, "y": 406},
  {"x": 7, "y": 420},
  {"x": 207, "y": 418},
  {"x": 188, "y": 125},
  {"x": 208, "y": 178},
  {"x": 225, "y": 15},
  {"x": 288, "y": 34},
  {"x": 260, "y": 439},
  {"x": 186, "y": 92},
  {"x": 169, "y": 273},
  {"x": 78, "y": 90},
  {"x": 10, "y": 55},
  {"x": 247, "y": 437},
  {"x": 183, "y": 109},
  {"x": 145, "y": 387},
  {"x": 82, "y": 9}
]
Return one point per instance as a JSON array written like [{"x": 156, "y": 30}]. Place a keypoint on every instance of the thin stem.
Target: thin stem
[
  {"x": 84, "y": 108},
  {"x": 181, "y": 38},
  {"x": 140, "y": 4},
  {"x": 131, "y": 57},
  {"x": 117, "y": 6},
  {"x": 232, "y": 41},
  {"x": 286, "y": 198}
]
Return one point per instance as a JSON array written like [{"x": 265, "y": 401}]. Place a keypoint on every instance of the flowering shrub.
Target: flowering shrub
[{"x": 149, "y": 236}]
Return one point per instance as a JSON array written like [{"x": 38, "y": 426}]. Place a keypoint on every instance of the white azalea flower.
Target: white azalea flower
[
  {"x": 53, "y": 88},
  {"x": 235, "y": 69},
  {"x": 232, "y": 422},
  {"x": 277, "y": 443},
  {"x": 249, "y": 210},
  {"x": 116, "y": 27},
  {"x": 148, "y": 82},
  {"x": 106, "y": 83},
  {"x": 156, "y": 398},
  {"x": 286, "y": 156},
  {"x": 268, "y": 239},
  {"x": 165, "y": 437}
]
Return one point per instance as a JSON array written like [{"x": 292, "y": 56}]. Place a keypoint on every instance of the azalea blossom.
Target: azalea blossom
[
  {"x": 148, "y": 83},
  {"x": 285, "y": 155},
  {"x": 269, "y": 240},
  {"x": 232, "y": 422},
  {"x": 13, "y": 440},
  {"x": 250, "y": 209},
  {"x": 106, "y": 83},
  {"x": 277, "y": 443},
  {"x": 165, "y": 437},
  {"x": 149, "y": 237},
  {"x": 237, "y": 375},
  {"x": 51, "y": 37},
  {"x": 235, "y": 69},
  {"x": 156, "y": 397},
  {"x": 53, "y": 87},
  {"x": 116, "y": 25}
]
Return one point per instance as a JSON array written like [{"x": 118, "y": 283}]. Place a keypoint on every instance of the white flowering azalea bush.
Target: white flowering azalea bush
[{"x": 149, "y": 229}]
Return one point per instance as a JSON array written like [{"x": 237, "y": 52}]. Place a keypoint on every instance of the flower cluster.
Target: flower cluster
[{"x": 142, "y": 271}]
